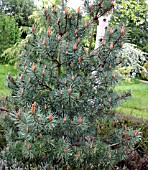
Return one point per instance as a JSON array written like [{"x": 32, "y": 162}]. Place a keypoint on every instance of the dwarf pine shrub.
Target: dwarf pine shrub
[{"x": 63, "y": 96}]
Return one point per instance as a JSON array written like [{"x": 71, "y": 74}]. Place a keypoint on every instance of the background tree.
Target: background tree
[
  {"x": 17, "y": 11},
  {"x": 20, "y": 9},
  {"x": 10, "y": 35},
  {"x": 62, "y": 114},
  {"x": 134, "y": 14}
]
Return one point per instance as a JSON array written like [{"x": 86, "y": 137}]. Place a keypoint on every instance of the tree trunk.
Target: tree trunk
[
  {"x": 63, "y": 6},
  {"x": 101, "y": 27}
]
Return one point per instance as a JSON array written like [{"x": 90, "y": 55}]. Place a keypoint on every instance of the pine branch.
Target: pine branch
[
  {"x": 41, "y": 83},
  {"x": 13, "y": 81}
]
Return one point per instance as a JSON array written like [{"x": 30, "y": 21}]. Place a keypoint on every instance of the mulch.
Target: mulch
[{"x": 134, "y": 162}]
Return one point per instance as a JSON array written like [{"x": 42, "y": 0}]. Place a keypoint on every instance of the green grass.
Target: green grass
[
  {"x": 4, "y": 69},
  {"x": 137, "y": 105}
]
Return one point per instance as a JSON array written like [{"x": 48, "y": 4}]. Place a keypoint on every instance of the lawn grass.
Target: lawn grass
[
  {"x": 137, "y": 105},
  {"x": 4, "y": 69}
]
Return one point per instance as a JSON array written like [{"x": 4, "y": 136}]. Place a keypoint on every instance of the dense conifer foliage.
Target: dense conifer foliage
[{"x": 63, "y": 96}]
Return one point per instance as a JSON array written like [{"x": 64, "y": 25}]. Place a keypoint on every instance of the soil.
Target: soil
[{"x": 134, "y": 162}]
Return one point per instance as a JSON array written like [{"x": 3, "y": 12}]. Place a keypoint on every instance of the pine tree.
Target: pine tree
[{"x": 63, "y": 98}]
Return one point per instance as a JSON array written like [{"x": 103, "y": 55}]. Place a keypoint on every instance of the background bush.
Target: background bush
[
  {"x": 144, "y": 73},
  {"x": 10, "y": 35}
]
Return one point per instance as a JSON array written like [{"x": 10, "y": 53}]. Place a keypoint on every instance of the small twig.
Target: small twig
[
  {"x": 115, "y": 144},
  {"x": 63, "y": 5},
  {"x": 13, "y": 81},
  {"x": 4, "y": 109}
]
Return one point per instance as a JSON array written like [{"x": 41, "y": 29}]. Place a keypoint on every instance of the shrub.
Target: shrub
[
  {"x": 134, "y": 60},
  {"x": 10, "y": 34},
  {"x": 144, "y": 74},
  {"x": 63, "y": 96}
]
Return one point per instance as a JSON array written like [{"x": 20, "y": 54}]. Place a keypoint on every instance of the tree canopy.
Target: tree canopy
[
  {"x": 10, "y": 33},
  {"x": 20, "y": 9},
  {"x": 134, "y": 14}
]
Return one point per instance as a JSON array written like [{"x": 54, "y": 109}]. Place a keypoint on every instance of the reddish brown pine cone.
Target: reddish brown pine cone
[
  {"x": 135, "y": 132},
  {"x": 111, "y": 46},
  {"x": 78, "y": 10},
  {"x": 78, "y": 40},
  {"x": 122, "y": 31},
  {"x": 33, "y": 28},
  {"x": 111, "y": 31},
  {"x": 79, "y": 60},
  {"x": 75, "y": 47},
  {"x": 85, "y": 24},
  {"x": 104, "y": 42},
  {"x": 69, "y": 90},
  {"x": 18, "y": 114},
  {"x": 64, "y": 119},
  {"x": 80, "y": 120},
  {"x": 72, "y": 77},
  {"x": 48, "y": 31},
  {"x": 91, "y": 6},
  {"x": 44, "y": 41},
  {"x": 50, "y": 117},
  {"x": 125, "y": 127},
  {"x": 29, "y": 146},
  {"x": 70, "y": 16},
  {"x": 59, "y": 20},
  {"x": 33, "y": 108}
]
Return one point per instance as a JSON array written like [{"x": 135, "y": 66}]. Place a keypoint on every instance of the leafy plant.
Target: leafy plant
[{"x": 134, "y": 60}]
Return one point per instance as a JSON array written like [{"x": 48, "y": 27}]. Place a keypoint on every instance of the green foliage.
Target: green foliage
[
  {"x": 133, "y": 13},
  {"x": 10, "y": 54},
  {"x": 10, "y": 34},
  {"x": 134, "y": 60},
  {"x": 20, "y": 9},
  {"x": 130, "y": 11},
  {"x": 51, "y": 2},
  {"x": 144, "y": 73},
  {"x": 138, "y": 35},
  {"x": 12, "y": 12},
  {"x": 134, "y": 121},
  {"x": 63, "y": 96}
]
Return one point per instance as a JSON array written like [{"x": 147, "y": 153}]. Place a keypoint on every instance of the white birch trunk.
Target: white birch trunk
[
  {"x": 101, "y": 27},
  {"x": 103, "y": 21}
]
